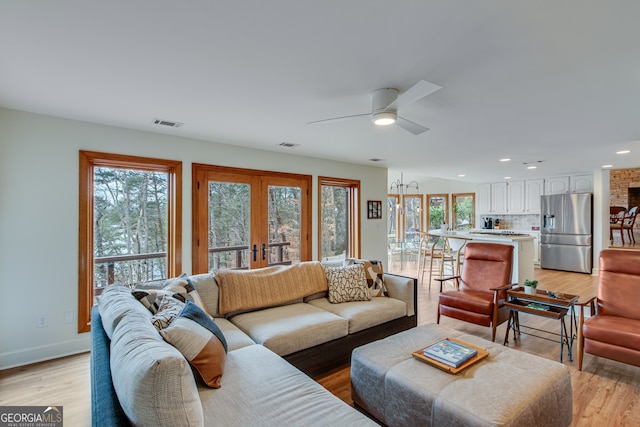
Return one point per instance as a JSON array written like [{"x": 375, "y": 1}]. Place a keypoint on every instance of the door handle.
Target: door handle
[
  {"x": 264, "y": 251},
  {"x": 255, "y": 253}
]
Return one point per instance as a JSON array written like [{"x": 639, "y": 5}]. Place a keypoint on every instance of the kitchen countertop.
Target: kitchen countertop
[{"x": 484, "y": 235}]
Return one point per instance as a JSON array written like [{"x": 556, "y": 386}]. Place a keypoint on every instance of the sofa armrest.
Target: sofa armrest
[
  {"x": 404, "y": 289},
  {"x": 105, "y": 407}
]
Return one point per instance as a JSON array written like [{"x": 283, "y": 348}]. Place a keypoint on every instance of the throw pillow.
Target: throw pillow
[
  {"x": 347, "y": 284},
  {"x": 201, "y": 342},
  {"x": 169, "y": 309},
  {"x": 180, "y": 287},
  {"x": 375, "y": 275}
]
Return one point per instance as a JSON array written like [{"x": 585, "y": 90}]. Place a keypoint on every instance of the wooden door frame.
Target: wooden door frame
[{"x": 201, "y": 173}]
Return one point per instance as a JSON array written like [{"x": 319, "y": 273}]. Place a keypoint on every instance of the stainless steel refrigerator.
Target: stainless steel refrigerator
[{"x": 566, "y": 232}]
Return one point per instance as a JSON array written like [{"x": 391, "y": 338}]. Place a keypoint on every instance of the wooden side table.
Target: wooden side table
[{"x": 552, "y": 305}]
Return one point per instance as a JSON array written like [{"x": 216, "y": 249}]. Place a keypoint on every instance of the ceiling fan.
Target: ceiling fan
[{"x": 386, "y": 103}]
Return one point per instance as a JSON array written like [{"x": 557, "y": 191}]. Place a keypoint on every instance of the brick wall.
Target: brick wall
[{"x": 620, "y": 182}]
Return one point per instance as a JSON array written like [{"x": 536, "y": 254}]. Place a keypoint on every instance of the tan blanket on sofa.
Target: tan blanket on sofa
[{"x": 268, "y": 287}]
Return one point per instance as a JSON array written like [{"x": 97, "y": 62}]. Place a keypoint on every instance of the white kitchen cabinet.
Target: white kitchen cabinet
[
  {"x": 516, "y": 197},
  {"x": 483, "y": 199},
  {"x": 499, "y": 198},
  {"x": 556, "y": 185},
  {"x": 582, "y": 183},
  {"x": 534, "y": 189}
]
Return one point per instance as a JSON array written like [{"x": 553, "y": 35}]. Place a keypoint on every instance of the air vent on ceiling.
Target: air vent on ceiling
[
  {"x": 533, "y": 162},
  {"x": 288, "y": 145},
  {"x": 168, "y": 123},
  {"x": 375, "y": 159}
]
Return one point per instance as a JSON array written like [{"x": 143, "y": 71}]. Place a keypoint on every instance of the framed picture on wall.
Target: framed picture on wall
[{"x": 374, "y": 209}]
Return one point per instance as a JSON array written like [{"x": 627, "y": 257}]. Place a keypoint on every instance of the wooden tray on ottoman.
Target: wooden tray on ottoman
[{"x": 482, "y": 353}]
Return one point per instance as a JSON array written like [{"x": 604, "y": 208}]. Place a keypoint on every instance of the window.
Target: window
[
  {"x": 412, "y": 217},
  {"x": 338, "y": 218},
  {"x": 463, "y": 207},
  {"x": 244, "y": 218},
  {"x": 130, "y": 223},
  {"x": 437, "y": 210}
]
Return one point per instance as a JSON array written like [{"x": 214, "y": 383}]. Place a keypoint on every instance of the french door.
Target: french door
[{"x": 245, "y": 219}]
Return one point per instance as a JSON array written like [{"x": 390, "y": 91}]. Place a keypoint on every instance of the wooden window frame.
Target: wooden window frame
[
  {"x": 354, "y": 239},
  {"x": 88, "y": 161}
]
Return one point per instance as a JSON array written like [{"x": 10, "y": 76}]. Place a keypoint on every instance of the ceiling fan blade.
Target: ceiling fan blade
[
  {"x": 419, "y": 90},
  {"x": 410, "y": 126},
  {"x": 338, "y": 118}
]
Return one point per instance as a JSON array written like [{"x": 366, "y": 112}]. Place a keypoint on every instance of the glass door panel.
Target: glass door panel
[
  {"x": 412, "y": 216},
  {"x": 245, "y": 219},
  {"x": 284, "y": 224},
  {"x": 229, "y": 225}
]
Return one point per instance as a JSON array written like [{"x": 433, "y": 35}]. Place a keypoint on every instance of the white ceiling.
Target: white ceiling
[{"x": 550, "y": 80}]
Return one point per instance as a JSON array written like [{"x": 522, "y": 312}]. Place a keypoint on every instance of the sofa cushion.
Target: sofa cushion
[
  {"x": 290, "y": 328},
  {"x": 235, "y": 337},
  {"x": 374, "y": 273},
  {"x": 262, "y": 389},
  {"x": 114, "y": 303},
  {"x": 242, "y": 290},
  {"x": 365, "y": 314},
  {"x": 153, "y": 380},
  {"x": 347, "y": 283},
  {"x": 200, "y": 341}
]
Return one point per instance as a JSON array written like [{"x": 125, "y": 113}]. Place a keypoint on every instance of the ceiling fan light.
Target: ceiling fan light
[{"x": 385, "y": 118}]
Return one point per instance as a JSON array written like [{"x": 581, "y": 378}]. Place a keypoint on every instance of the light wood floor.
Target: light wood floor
[{"x": 605, "y": 393}]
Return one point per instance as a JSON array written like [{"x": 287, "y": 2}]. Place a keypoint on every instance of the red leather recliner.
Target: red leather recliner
[
  {"x": 614, "y": 331},
  {"x": 482, "y": 289}
]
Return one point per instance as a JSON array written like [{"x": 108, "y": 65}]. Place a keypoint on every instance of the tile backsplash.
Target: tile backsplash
[{"x": 517, "y": 222}]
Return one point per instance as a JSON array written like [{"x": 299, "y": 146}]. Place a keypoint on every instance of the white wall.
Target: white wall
[{"x": 38, "y": 258}]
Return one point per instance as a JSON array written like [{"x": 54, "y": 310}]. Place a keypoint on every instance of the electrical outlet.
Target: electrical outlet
[
  {"x": 68, "y": 317},
  {"x": 43, "y": 321}
]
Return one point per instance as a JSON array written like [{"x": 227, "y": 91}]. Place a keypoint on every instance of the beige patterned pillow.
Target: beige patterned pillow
[
  {"x": 347, "y": 284},
  {"x": 375, "y": 275}
]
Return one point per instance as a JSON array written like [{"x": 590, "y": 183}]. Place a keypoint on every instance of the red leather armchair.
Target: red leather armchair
[
  {"x": 482, "y": 290},
  {"x": 614, "y": 331}
]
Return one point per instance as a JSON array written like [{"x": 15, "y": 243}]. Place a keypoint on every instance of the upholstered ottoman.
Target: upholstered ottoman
[{"x": 507, "y": 388}]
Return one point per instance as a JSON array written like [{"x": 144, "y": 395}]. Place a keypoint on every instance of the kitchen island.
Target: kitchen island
[{"x": 522, "y": 266}]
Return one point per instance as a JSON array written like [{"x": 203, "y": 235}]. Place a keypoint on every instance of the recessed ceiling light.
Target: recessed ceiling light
[
  {"x": 507, "y": 177},
  {"x": 532, "y": 167},
  {"x": 506, "y": 159},
  {"x": 461, "y": 175},
  {"x": 607, "y": 166},
  {"x": 623, "y": 152}
]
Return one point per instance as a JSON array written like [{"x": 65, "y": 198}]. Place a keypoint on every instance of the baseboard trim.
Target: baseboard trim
[{"x": 45, "y": 352}]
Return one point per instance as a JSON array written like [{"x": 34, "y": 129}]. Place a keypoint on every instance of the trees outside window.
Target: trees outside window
[
  {"x": 338, "y": 218},
  {"x": 130, "y": 223}
]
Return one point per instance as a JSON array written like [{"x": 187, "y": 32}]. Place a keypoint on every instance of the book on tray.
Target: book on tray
[{"x": 450, "y": 353}]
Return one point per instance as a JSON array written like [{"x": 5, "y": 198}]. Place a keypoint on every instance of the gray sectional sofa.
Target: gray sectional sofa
[{"x": 140, "y": 379}]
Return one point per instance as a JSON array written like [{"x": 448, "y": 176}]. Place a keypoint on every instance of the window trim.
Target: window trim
[
  {"x": 354, "y": 238},
  {"x": 88, "y": 161}
]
